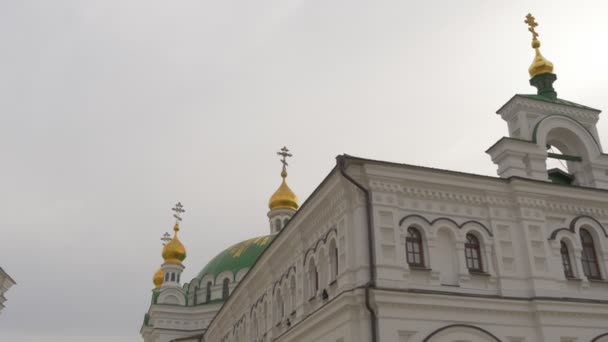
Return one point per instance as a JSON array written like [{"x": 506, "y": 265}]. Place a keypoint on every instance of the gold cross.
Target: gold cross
[
  {"x": 531, "y": 21},
  {"x": 178, "y": 209},
  {"x": 284, "y": 153},
  {"x": 166, "y": 238}
]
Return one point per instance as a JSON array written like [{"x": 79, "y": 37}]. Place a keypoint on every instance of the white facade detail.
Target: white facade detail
[
  {"x": 6, "y": 282},
  {"x": 535, "y": 124}
]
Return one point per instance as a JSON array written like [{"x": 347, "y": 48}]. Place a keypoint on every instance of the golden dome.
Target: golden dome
[
  {"x": 283, "y": 198},
  {"x": 540, "y": 65},
  {"x": 158, "y": 278},
  {"x": 174, "y": 252}
]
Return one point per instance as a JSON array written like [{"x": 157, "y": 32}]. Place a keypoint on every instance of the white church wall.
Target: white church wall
[{"x": 266, "y": 293}]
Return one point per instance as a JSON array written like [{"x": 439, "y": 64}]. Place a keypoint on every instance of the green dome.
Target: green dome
[{"x": 237, "y": 257}]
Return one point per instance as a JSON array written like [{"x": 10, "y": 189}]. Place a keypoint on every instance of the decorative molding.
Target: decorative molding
[
  {"x": 428, "y": 338},
  {"x": 572, "y": 226},
  {"x": 431, "y": 223}
]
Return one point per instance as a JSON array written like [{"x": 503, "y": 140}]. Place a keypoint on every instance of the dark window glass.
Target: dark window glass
[
  {"x": 208, "y": 294},
  {"x": 591, "y": 268},
  {"x": 472, "y": 253},
  {"x": 566, "y": 260},
  {"x": 413, "y": 248},
  {"x": 316, "y": 280},
  {"x": 336, "y": 263},
  {"x": 225, "y": 288}
]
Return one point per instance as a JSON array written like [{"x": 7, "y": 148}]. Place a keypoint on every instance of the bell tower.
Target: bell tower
[{"x": 540, "y": 122}]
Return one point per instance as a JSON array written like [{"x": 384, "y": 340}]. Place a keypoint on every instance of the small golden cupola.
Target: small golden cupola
[
  {"x": 284, "y": 202},
  {"x": 540, "y": 65},
  {"x": 158, "y": 278},
  {"x": 284, "y": 198},
  {"x": 174, "y": 252}
]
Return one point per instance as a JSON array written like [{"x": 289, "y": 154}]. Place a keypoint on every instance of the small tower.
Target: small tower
[
  {"x": 173, "y": 254},
  {"x": 541, "y": 123},
  {"x": 283, "y": 203}
]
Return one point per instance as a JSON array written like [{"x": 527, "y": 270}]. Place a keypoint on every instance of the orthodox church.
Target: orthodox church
[{"x": 392, "y": 252}]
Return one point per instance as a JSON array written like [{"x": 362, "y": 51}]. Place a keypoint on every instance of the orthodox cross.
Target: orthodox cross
[
  {"x": 166, "y": 237},
  {"x": 284, "y": 153},
  {"x": 178, "y": 209},
  {"x": 531, "y": 21}
]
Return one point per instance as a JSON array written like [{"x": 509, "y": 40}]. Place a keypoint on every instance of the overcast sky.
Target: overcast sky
[{"x": 113, "y": 110}]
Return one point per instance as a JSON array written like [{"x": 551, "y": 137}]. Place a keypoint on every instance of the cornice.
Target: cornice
[{"x": 519, "y": 103}]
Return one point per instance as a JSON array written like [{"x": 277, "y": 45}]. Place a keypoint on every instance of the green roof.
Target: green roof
[{"x": 237, "y": 257}]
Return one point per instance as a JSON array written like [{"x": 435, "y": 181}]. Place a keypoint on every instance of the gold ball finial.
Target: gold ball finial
[{"x": 540, "y": 65}]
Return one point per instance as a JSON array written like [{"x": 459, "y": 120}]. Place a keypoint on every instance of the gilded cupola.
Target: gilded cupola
[
  {"x": 158, "y": 278},
  {"x": 174, "y": 252},
  {"x": 284, "y": 198}
]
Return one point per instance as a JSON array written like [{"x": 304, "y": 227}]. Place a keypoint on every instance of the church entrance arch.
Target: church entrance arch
[{"x": 461, "y": 332}]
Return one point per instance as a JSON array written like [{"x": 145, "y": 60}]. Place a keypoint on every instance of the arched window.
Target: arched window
[
  {"x": 225, "y": 288},
  {"x": 413, "y": 248},
  {"x": 285, "y": 221},
  {"x": 292, "y": 286},
  {"x": 313, "y": 275},
  {"x": 566, "y": 260},
  {"x": 472, "y": 253},
  {"x": 280, "y": 306},
  {"x": 172, "y": 276},
  {"x": 589, "y": 257},
  {"x": 277, "y": 224},
  {"x": 333, "y": 259},
  {"x": 254, "y": 326},
  {"x": 208, "y": 292}
]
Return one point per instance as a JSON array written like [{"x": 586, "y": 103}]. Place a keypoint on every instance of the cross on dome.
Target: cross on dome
[
  {"x": 178, "y": 209},
  {"x": 166, "y": 238},
  {"x": 284, "y": 153}
]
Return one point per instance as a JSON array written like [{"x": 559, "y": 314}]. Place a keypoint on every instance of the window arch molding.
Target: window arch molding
[
  {"x": 226, "y": 274},
  {"x": 430, "y": 225},
  {"x": 580, "y": 221},
  {"x": 459, "y": 327},
  {"x": 600, "y": 338}
]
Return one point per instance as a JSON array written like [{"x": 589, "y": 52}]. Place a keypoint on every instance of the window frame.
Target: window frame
[
  {"x": 225, "y": 288},
  {"x": 472, "y": 246},
  {"x": 414, "y": 239},
  {"x": 589, "y": 256},
  {"x": 564, "y": 252},
  {"x": 208, "y": 292}
]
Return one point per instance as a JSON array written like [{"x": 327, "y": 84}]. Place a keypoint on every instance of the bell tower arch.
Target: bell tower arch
[{"x": 540, "y": 123}]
